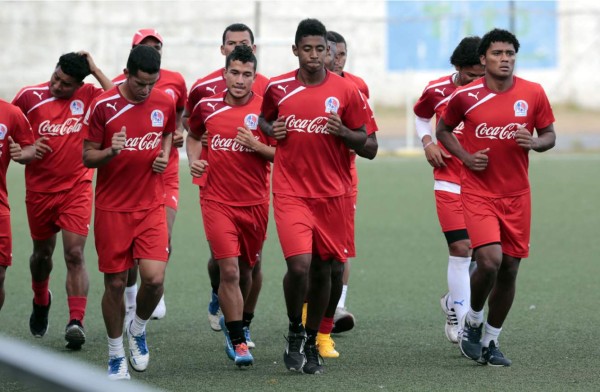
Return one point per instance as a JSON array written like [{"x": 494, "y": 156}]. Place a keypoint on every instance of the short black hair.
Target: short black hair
[
  {"x": 243, "y": 54},
  {"x": 497, "y": 35},
  {"x": 238, "y": 27},
  {"x": 465, "y": 54},
  {"x": 143, "y": 58},
  {"x": 335, "y": 37},
  {"x": 74, "y": 65},
  {"x": 309, "y": 27}
]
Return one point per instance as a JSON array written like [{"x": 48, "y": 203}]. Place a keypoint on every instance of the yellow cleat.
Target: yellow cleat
[
  {"x": 304, "y": 313},
  {"x": 326, "y": 346}
]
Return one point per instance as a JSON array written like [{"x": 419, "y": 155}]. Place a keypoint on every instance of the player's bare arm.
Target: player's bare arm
[
  {"x": 544, "y": 141},
  {"x": 433, "y": 153},
  {"x": 369, "y": 150},
  {"x": 247, "y": 139},
  {"x": 185, "y": 119},
  {"x": 95, "y": 156},
  {"x": 20, "y": 154},
  {"x": 41, "y": 148},
  {"x": 178, "y": 134},
  {"x": 354, "y": 139},
  {"x": 193, "y": 147},
  {"x": 96, "y": 72},
  {"x": 475, "y": 162},
  {"x": 275, "y": 129}
]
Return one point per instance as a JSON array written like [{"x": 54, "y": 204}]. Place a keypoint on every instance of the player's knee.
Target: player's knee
[
  {"x": 459, "y": 248},
  {"x": 74, "y": 257}
]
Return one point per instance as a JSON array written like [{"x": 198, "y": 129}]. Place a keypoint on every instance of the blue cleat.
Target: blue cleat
[
  {"x": 228, "y": 346},
  {"x": 243, "y": 357},
  {"x": 470, "y": 340},
  {"x": 249, "y": 341}
]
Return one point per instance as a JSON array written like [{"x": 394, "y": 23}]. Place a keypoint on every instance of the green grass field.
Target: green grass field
[{"x": 400, "y": 272}]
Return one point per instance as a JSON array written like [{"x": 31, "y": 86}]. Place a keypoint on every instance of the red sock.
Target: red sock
[
  {"x": 326, "y": 325},
  {"x": 41, "y": 296},
  {"x": 77, "y": 308}
]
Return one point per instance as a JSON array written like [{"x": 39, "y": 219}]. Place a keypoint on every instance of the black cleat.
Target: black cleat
[
  {"x": 74, "y": 335},
  {"x": 38, "y": 321},
  {"x": 314, "y": 362},
  {"x": 294, "y": 357},
  {"x": 470, "y": 340},
  {"x": 492, "y": 356}
]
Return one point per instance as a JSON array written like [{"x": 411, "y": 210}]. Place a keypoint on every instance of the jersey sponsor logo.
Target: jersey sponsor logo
[
  {"x": 171, "y": 93},
  {"x": 521, "y": 108},
  {"x": 113, "y": 106},
  {"x": 157, "y": 117},
  {"x": 3, "y": 131},
  {"x": 332, "y": 104},
  {"x": 501, "y": 133},
  {"x": 149, "y": 141},
  {"x": 437, "y": 90},
  {"x": 77, "y": 107},
  {"x": 71, "y": 125},
  {"x": 284, "y": 89},
  {"x": 251, "y": 121},
  {"x": 212, "y": 89},
  {"x": 219, "y": 143},
  {"x": 476, "y": 95},
  {"x": 316, "y": 125},
  {"x": 39, "y": 95},
  {"x": 213, "y": 106}
]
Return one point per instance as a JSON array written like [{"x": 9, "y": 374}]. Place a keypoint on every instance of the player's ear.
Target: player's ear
[
  {"x": 482, "y": 59},
  {"x": 295, "y": 50},
  {"x": 223, "y": 50}
]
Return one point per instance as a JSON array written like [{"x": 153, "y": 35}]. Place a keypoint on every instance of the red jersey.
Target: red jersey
[
  {"x": 173, "y": 84},
  {"x": 236, "y": 174},
  {"x": 127, "y": 183},
  {"x": 358, "y": 81},
  {"x": 60, "y": 120},
  {"x": 433, "y": 101},
  {"x": 490, "y": 121},
  {"x": 310, "y": 162},
  {"x": 214, "y": 83},
  {"x": 14, "y": 124}
]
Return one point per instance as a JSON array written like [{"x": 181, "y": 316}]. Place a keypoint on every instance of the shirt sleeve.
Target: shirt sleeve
[
  {"x": 543, "y": 115},
  {"x": 22, "y": 133},
  {"x": 453, "y": 114},
  {"x": 269, "y": 107},
  {"x": 355, "y": 113},
  {"x": 93, "y": 125},
  {"x": 196, "y": 122}
]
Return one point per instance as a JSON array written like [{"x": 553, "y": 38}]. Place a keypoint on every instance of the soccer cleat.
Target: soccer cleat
[
  {"x": 129, "y": 316},
  {"x": 138, "y": 351},
  {"x": 249, "y": 341},
  {"x": 451, "y": 327},
  {"x": 74, "y": 335},
  {"x": 243, "y": 357},
  {"x": 294, "y": 357},
  {"x": 38, "y": 321},
  {"x": 342, "y": 321},
  {"x": 229, "y": 350},
  {"x": 304, "y": 313},
  {"x": 492, "y": 356},
  {"x": 117, "y": 369},
  {"x": 314, "y": 362},
  {"x": 214, "y": 312},
  {"x": 470, "y": 340},
  {"x": 160, "y": 311},
  {"x": 326, "y": 346}
]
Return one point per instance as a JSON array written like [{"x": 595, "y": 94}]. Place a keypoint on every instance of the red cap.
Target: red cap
[{"x": 143, "y": 33}]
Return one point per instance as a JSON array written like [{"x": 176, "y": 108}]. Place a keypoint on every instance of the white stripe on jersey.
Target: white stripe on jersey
[
  {"x": 208, "y": 100},
  {"x": 442, "y": 101},
  {"x": 224, "y": 108},
  {"x": 32, "y": 89},
  {"x": 126, "y": 108},
  {"x": 439, "y": 84},
  {"x": 485, "y": 99},
  {"x": 280, "y": 81},
  {"x": 294, "y": 92},
  {"x": 45, "y": 101},
  {"x": 219, "y": 78}
]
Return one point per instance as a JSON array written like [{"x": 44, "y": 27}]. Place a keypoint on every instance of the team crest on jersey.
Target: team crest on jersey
[
  {"x": 158, "y": 118},
  {"x": 332, "y": 104},
  {"x": 171, "y": 93},
  {"x": 251, "y": 121},
  {"x": 3, "y": 131},
  {"x": 521, "y": 108},
  {"x": 77, "y": 107}
]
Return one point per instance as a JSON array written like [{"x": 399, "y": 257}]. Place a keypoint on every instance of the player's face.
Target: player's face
[
  {"x": 499, "y": 60},
  {"x": 239, "y": 78},
  {"x": 468, "y": 74},
  {"x": 340, "y": 58},
  {"x": 311, "y": 52},
  {"x": 330, "y": 58},
  {"x": 140, "y": 85},
  {"x": 61, "y": 85},
  {"x": 235, "y": 38},
  {"x": 152, "y": 42}
]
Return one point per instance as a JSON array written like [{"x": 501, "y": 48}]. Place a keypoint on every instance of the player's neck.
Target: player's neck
[
  {"x": 233, "y": 101},
  {"x": 499, "y": 85},
  {"x": 124, "y": 90},
  {"x": 309, "y": 79}
]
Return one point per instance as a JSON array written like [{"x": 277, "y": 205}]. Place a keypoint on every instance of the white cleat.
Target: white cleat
[
  {"x": 117, "y": 369},
  {"x": 451, "y": 328},
  {"x": 161, "y": 309},
  {"x": 138, "y": 351}
]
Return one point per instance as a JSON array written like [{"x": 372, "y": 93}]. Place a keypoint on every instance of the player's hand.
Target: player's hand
[
  {"x": 477, "y": 161},
  {"x": 435, "y": 155},
  {"x": 198, "y": 167},
  {"x": 41, "y": 148},
  {"x": 204, "y": 139},
  {"x": 245, "y": 137},
  {"x": 279, "y": 128},
  {"x": 118, "y": 142},
  {"x": 524, "y": 138},
  {"x": 177, "y": 138},
  {"x": 334, "y": 124},
  {"x": 15, "y": 149},
  {"x": 90, "y": 61},
  {"x": 160, "y": 162}
]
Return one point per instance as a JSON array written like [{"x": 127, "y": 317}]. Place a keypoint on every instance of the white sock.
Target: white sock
[
  {"x": 459, "y": 284},
  {"x": 130, "y": 295},
  {"x": 342, "y": 302},
  {"x": 115, "y": 347},
  {"x": 475, "y": 318},
  {"x": 491, "y": 334},
  {"x": 138, "y": 326}
]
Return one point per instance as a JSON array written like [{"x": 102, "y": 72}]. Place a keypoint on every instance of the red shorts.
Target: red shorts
[
  {"x": 122, "y": 237},
  {"x": 235, "y": 231},
  {"x": 5, "y": 241},
  {"x": 69, "y": 210},
  {"x": 313, "y": 226},
  {"x": 505, "y": 220},
  {"x": 172, "y": 194},
  {"x": 450, "y": 211},
  {"x": 352, "y": 198}
]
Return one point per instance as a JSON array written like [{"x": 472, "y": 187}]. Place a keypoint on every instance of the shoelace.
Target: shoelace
[
  {"x": 140, "y": 343},
  {"x": 473, "y": 334},
  {"x": 312, "y": 354},
  {"x": 295, "y": 343},
  {"x": 115, "y": 364},
  {"x": 241, "y": 350}
]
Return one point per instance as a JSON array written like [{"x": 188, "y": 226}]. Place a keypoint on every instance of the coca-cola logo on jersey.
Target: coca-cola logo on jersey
[
  {"x": 71, "y": 125},
  {"x": 502, "y": 133},
  {"x": 316, "y": 125},
  {"x": 149, "y": 141},
  {"x": 219, "y": 143}
]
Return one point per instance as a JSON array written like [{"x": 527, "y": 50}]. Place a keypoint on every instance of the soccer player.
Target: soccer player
[
  {"x": 446, "y": 175},
  {"x": 16, "y": 143},
  {"x": 128, "y": 135},
  {"x": 173, "y": 84},
  {"x": 213, "y": 83},
  {"x": 59, "y": 187},
  {"x": 317, "y": 117},
  {"x": 500, "y": 112},
  {"x": 235, "y": 208}
]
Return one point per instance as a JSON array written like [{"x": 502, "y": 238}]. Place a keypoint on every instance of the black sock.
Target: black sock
[
  {"x": 311, "y": 336},
  {"x": 215, "y": 289},
  {"x": 236, "y": 332},
  {"x": 247, "y": 318},
  {"x": 296, "y": 324}
]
